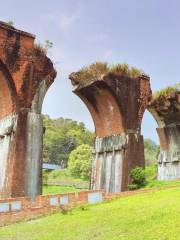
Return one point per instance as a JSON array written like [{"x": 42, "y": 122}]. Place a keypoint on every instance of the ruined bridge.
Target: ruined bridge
[
  {"x": 25, "y": 75},
  {"x": 166, "y": 111},
  {"x": 116, "y": 102},
  {"x": 117, "y": 99}
]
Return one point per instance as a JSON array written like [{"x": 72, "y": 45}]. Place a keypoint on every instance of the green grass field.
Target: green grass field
[
  {"x": 157, "y": 183},
  {"x": 60, "y": 181},
  {"x": 62, "y": 177},
  {"x": 53, "y": 189},
  {"x": 148, "y": 216}
]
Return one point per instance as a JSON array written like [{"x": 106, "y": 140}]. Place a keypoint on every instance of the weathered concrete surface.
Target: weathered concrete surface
[
  {"x": 34, "y": 154},
  {"x": 107, "y": 163},
  {"x": 166, "y": 111},
  {"x": 25, "y": 75},
  {"x": 7, "y": 129},
  {"x": 117, "y": 104}
]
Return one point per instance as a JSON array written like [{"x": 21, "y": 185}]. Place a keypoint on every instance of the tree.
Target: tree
[
  {"x": 61, "y": 137},
  {"x": 80, "y": 161}
]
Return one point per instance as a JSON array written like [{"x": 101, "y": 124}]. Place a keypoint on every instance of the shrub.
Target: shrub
[
  {"x": 83, "y": 207},
  {"x": 138, "y": 176},
  {"x": 64, "y": 210}
]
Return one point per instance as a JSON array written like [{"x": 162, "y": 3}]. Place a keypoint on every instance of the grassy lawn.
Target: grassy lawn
[
  {"x": 150, "y": 216},
  {"x": 53, "y": 189},
  {"x": 60, "y": 181},
  {"x": 63, "y": 178},
  {"x": 157, "y": 183}
]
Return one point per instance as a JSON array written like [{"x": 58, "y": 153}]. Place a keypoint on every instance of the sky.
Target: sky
[{"x": 142, "y": 33}]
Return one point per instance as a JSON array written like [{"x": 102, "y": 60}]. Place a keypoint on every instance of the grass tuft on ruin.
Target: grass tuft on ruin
[
  {"x": 40, "y": 48},
  {"x": 98, "y": 70},
  {"x": 167, "y": 91},
  {"x": 166, "y": 98}
]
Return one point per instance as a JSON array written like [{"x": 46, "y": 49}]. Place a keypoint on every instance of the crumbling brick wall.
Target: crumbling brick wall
[
  {"x": 166, "y": 111},
  {"x": 117, "y": 104},
  {"x": 25, "y": 75}
]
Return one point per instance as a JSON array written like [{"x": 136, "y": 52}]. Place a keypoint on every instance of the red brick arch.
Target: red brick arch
[
  {"x": 117, "y": 104},
  {"x": 8, "y": 102},
  {"x": 103, "y": 107},
  {"x": 25, "y": 75},
  {"x": 167, "y": 115}
]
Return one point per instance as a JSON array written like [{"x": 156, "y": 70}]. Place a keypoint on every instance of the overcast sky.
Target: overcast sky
[{"x": 143, "y": 33}]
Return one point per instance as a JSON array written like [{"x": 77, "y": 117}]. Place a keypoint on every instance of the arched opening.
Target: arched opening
[
  {"x": 108, "y": 152},
  {"x": 69, "y": 125},
  {"x": 151, "y": 146},
  {"x": 34, "y": 137},
  {"x": 104, "y": 109},
  {"x": 7, "y": 92}
]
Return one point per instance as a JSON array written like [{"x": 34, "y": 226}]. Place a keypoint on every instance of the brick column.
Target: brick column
[
  {"x": 166, "y": 111},
  {"x": 25, "y": 76},
  {"x": 117, "y": 104}
]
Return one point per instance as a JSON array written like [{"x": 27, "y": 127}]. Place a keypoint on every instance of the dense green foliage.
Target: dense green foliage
[
  {"x": 149, "y": 216},
  {"x": 138, "y": 177},
  {"x": 80, "y": 161},
  {"x": 151, "y": 151},
  {"x": 144, "y": 177},
  {"x": 61, "y": 137}
]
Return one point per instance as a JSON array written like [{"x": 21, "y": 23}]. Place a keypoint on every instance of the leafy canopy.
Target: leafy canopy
[
  {"x": 61, "y": 137},
  {"x": 80, "y": 161}
]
